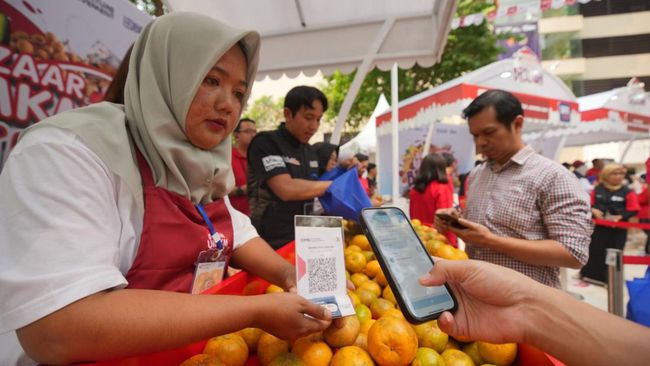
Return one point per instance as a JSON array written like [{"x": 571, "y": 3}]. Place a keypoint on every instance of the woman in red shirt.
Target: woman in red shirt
[{"x": 431, "y": 191}]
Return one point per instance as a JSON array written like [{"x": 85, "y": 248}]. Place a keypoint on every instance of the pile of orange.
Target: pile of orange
[{"x": 378, "y": 334}]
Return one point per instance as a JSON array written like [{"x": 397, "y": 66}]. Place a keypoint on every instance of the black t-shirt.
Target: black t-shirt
[
  {"x": 613, "y": 203},
  {"x": 272, "y": 153}
]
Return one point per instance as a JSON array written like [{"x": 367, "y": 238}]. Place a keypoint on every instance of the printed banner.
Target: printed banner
[
  {"x": 454, "y": 139},
  {"x": 58, "y": 55}
]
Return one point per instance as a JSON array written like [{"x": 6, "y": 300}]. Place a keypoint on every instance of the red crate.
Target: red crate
[{"x": 243, "y": 283}]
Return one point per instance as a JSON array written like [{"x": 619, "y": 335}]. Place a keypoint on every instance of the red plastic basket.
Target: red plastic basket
[{"x": 243, "y": 283}]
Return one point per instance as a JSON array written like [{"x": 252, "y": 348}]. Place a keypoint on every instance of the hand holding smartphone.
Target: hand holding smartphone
[
  {"x": 403, "y": 259},
  {"x": 451, "y": 220}
]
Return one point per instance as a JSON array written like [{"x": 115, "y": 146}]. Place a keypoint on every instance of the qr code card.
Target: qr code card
[{"x": 320, "y": 265}]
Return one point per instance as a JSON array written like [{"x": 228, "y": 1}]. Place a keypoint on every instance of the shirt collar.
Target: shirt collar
[
  {"x": 291, "y": 138},
  {"x": 519, "y": 158}
]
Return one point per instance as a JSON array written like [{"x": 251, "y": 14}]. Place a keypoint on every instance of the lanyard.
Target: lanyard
[{"x": 208, "y": 222}]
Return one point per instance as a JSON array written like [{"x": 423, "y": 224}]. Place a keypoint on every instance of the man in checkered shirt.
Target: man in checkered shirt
[{"x": 524, "y": 211}]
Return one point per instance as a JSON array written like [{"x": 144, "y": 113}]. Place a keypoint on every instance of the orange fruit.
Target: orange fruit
[
  {"x": 365, "y": 327},
  {"x": 459, "y": 254},
  {"x": 498, "y": 354},
  {"x": 231, "y": 349},
  {"x": 445, "y": 251},
  {"x": 270, "y": 347},
  {"x": 355, "y": 262},
  {"x": 430, "y": 335},
  {"x": 353, "y": 248},
  {"x": 371, "y": 286},
  {"x": 354, "y": 298},
  {"x": 363, "y": 313},
  {"x": 202, "y": 360},
  {"x": 416, "y": 222},
  {"x": 372, "y": 268},
  {"x": 454, "y": 357},
  {"x": 287, "y": 359},
  {"x": 380, "y": 278},
  {"x": 251, "y": 336},
  {"x": 358, "y": 278},
  {"x": 379, "y": 307},
  {"x": 362, "y": 341},
  {"x": 274, "y": 289},
  {"x": 351, "y": 356},
  {"x": 463, "y": 339},
  {"x": 392, "y": 341},
  {"x": 361, "y": 241},
  {"x": 395, "y": 313},
  {"x": 344, "y": 336},
  {"x": 427, "y": 357},
  {"x": 471, "y": 350},
  {"x": 312, "y": 352},
  {"x": 432, "y": 245},
  {"x": 388, "y": 295},
  {"x": 366, "y": 296}
]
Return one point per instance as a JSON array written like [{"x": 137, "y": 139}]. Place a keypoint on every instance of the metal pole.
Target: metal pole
[
  {"x": 614, "y": 261},
  {"x": 394, "y": 100}
]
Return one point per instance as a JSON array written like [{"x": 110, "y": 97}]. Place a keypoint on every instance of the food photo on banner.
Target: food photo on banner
[{"x": 58, "y": 55}]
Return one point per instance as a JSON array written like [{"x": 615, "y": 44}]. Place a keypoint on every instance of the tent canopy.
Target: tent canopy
[
  {"x": 311, "y": 35},
  {"x": 546, "y": 99}
]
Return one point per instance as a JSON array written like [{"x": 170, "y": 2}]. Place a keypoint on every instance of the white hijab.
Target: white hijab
[{"x": 169, "y": 61}]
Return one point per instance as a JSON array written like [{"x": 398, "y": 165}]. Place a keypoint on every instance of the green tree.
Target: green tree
[
  {"x": 154, "y": 8},
  {"x": 467, "y": 49},
  {"x": 266, "y": 112}
]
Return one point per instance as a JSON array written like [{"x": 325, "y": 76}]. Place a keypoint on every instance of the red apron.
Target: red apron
[{"x": 173, "y": 235}]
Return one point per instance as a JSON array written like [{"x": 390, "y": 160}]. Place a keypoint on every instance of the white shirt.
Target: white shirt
[{"x": 69, "y": 228}]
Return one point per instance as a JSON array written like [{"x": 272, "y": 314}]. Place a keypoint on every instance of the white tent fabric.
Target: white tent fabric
[
  {"x": 311, "y": 35},
  {"x": 366, "y": 140}
]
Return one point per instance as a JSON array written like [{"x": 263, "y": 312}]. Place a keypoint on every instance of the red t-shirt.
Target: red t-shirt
[
  {"x": 593, "y": 172},
  {"x": 423, "y": 205},
  {"x": 644, "y": 204},
  {"x": 365, "y": 185},
  {"x": 239, "y": 166}
]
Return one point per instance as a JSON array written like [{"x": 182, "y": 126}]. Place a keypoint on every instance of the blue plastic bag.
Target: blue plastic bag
[
  {"x": 638, "y": 307},
  {"x": 333, "y": 174},
  {"x": 345, "y": 197}
]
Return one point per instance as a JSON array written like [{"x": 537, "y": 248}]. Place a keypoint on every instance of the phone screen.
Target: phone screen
[{"x": 407, "y": 260}]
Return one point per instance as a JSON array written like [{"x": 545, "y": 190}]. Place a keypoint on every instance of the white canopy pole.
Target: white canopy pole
[
  {"x": 394, "y": 100},
  {"x": 627, "y": 148},
  {"x": 362, "y": 71}
]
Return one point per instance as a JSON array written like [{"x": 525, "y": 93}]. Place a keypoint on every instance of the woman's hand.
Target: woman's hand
[
  {"x": 597, "y": 213},
  {"x": 289, "y": 316},
  {"x": 491, "y": 300}
]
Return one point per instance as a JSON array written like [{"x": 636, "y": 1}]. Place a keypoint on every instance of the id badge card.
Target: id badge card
[{"x": 210, "y": 268}]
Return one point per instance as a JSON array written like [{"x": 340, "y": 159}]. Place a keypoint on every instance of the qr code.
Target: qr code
[{"x": 322, "y": 274}]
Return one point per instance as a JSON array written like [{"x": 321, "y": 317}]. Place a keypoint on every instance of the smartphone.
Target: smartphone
[
  {"x": 450, "y": 219},
  {"x": 404, "y": 259}
]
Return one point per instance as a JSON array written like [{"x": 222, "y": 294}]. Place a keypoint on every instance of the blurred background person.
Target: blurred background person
[
  {"x": 644, "y": 209},
  {"x": 580, "y": 171},
  {"x": 243, "y": 134},
  {"x": 431, "y": 192},
  {"x": 362, "y": 166},
  {"x": 328, "y": 155},
  {"x": 594, "y": 172},
  {"x": 371, "y": 175},
  {"x": 611, "y": 200}
]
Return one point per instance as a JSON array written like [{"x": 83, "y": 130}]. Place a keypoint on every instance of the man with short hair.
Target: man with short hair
[
  {"x": 362, "y": 166},
  {"x": 596, "y": 166},
  {"x": 524, "y": 211},
  {"x": 243, "y": 133},
  {"x": 283, "y": 167}
]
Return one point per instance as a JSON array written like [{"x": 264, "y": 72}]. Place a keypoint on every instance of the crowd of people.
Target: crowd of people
[{"x": 114, "y": 215}]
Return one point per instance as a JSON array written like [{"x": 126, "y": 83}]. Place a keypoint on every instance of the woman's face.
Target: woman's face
[
  {"x": 331, "y": 164},
  {"x": 217, "y": 104},
  {"x": 616, "y": 177}
]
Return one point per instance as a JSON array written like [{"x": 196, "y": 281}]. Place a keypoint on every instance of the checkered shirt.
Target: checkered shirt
[{"x": 532, "y": 198}]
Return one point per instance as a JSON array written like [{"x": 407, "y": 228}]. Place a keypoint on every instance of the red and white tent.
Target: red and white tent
[{"x": 621, "y": 114}]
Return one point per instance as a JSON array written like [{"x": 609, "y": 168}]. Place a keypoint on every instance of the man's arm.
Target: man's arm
[
  {"x": 294, "y": 189},
  {"x": 497, "y": 304},
  {"x": 538, "y": 252}
]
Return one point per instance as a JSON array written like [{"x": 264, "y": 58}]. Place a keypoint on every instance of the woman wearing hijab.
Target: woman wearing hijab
[
  {"x": 611, "y": 200},
  {"x": 112, "y": 213}
]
